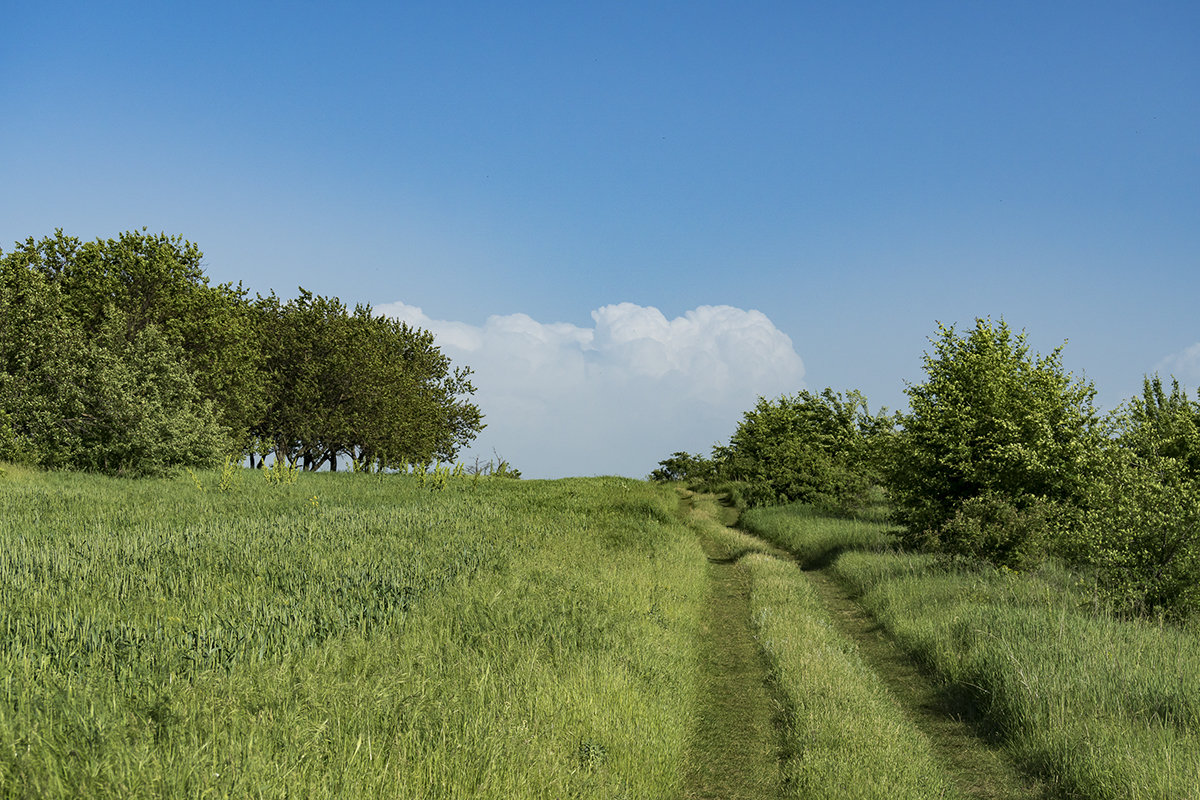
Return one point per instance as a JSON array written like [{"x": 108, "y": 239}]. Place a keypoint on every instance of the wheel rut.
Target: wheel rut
[
  {"x": 978, "y": 767},
  {"x": 737, "y": 746}
]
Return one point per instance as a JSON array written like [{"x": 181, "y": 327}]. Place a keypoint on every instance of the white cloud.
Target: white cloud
[
  {"x": 615, "y": 398},
  {"x": 1184, "y": 365}
]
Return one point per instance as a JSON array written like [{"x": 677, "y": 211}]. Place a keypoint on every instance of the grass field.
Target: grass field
[
  {"x": 1099, "y": 707},
  {"x": 345, "y": 635},
  {"x": 843, "y": 735},
  {"x": 219, "y": 635}
]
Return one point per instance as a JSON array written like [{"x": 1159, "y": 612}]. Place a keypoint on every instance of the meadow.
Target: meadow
[
  {"x": 343, "y": 634},
  {"x": 1095, "y": 706},
  {"x": 242, "y": 633}
]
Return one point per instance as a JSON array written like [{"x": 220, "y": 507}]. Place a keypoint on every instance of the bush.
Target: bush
[
  {"x": 682, "y": 466},
  {"x": 809, "y": 448},
  {"x": 1143, "y": 531},
  {"x": 144, "y": 414},
  {"x": 991, "y": 427},
  {"x": 992, "y": 528}
]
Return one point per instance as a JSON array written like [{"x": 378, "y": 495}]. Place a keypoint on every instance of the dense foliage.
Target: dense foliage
[
  {"x": 1000, "y": 457},
  {"x": 809, "y": 447},
  {"x": 118, "y": 356},
  {"x": 682, "y": 466},
  {"x": 354, "y": 384},
  {"x": 995, "y": 444},
  {"x": 813, "y": 448},
  {"x": 1144, "y": 529},
  {"x": 1003, "y": 457}
]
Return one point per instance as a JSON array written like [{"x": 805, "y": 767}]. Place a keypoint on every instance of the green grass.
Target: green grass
[
  {"x": 848, "y": 737},
  {"x": 364, "y": 635},
  {"x": 1100, "y": 707},
  {"x": 735, "y": 744},
  {"x": 343, "y": 635},
  {"x": 842, "y": 734},
  {"x": 814, "y": 537},
  {"x": 1106, "y": 708}
]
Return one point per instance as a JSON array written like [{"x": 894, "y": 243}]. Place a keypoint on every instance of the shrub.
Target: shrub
[
  {"x": 682, "y": 466},
  {"x": 809, "y": 448},
  {"x": 991, "y": 422},
  {"x": 1143, "y": 529},
  {"x": 992, "y": 528}
]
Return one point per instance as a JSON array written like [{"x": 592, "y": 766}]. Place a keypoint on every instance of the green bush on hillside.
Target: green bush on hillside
[
  {"x": 1144, "y": 522},
  {"x": 994, "y": 440}
]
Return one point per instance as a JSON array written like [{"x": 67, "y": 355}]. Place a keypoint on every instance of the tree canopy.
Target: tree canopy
[
  {"x": 157, "y": 280},
  {"x": 807, "y": 447},
  {"x": 118, "y": 355},
  {"x": 358, "y": 385},
  {"x": 990, "y": 423}
]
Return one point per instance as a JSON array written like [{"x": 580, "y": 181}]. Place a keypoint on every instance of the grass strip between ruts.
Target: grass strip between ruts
[{"x": 841, "y": 734}]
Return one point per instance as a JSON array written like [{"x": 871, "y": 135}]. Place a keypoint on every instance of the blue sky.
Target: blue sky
[{"x": 633, "y": 218}]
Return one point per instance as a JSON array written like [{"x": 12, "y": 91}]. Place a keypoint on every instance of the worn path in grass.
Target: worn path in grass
[
  {"x": 735, "y": 748},
  {"x": 978, "y": 766}
]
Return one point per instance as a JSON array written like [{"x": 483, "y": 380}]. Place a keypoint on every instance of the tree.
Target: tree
[
  {"x": 682, "y": 466},
  {"x": 143, "y": 414},
  {"x": 305, "y": 347},
  {"x": 157, "y": 280},
  {"x": 415, "y": 405},
  {"x": 360, "y": 386},
  {"x": 119, "y": 356},
  {"x": 991, "y": 426},
  {"x": 41, "y": 368},
  {"x": 1144, "y": 521},
  {"x": 809, "y": 448},
  {"x": 115, "y": 399}
]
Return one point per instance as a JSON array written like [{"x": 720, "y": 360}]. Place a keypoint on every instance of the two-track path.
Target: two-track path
[{"x": 737, "y": 746}]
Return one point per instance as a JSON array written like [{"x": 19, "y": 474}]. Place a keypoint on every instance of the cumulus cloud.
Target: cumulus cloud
[
  {"x": 1184, "y": 365},
  {"x": 614, "y": 398}
]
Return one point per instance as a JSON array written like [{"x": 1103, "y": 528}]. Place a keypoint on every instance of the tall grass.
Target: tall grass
[
  {"x": 1105, "y": 708},
  {"x": 343, "y": 634},
  {"x": 1101, "y": 707},
  {"x": 842, "y": 733},
  {"x": 815, "y": 537}
]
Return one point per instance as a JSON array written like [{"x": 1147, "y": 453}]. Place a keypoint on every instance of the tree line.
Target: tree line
[
  {"x": 119, "y": 356},
  {"x": 1001, "y": 457}
]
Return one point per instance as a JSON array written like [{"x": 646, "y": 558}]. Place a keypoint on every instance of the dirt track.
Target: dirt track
[{"x": 737, "y": 748}]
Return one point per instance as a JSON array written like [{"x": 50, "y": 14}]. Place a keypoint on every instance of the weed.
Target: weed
[
  {"x": 195, "y": 480},
  {"x": 282, "y": 472},
  {"x": 231, "y": 475}
]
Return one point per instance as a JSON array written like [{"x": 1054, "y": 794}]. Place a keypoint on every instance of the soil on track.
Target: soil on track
[{"x": 737, "y": 748}]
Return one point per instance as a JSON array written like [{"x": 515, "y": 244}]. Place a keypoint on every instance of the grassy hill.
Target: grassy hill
[
  {"x": 343, "y": 635},
  {"x": 240, "y": 633}
]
